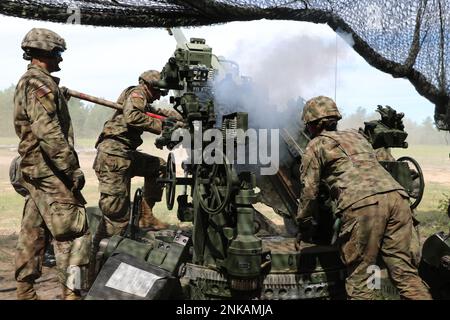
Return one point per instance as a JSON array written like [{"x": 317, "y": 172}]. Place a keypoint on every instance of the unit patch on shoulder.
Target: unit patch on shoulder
[
  {"x": 135, "y": 94},
  {"x": 42, "y": 91}
]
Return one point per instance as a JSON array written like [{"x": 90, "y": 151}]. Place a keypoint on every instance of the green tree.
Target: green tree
[
  {"x": 78, "y": 113},
  {"x": 96, "y": 117},
  {"x": 7, "y": 112}
]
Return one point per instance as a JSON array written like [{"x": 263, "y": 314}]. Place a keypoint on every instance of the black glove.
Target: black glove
[
  {"x": 78, "y": 180},
  {"x": 305, "y": 231},
  {"x": 65, "y": 93},
  {"x": 169, "y": 123}
]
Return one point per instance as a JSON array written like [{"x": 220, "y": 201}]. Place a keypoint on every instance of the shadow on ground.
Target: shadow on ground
[{"x": 47, "y": 285}]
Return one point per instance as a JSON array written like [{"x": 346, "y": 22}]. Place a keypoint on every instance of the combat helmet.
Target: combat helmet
[
  {"x": 150, "y": 77},
  {"x": 318, "y": 108},
  {"x": 43, "y": 42}
]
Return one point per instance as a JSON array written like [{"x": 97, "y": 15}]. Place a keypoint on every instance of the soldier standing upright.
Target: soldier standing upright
[
  {"x": 118, "y": 161},
  {"x": 373, "y": 207},
  {"x": 50, "y": 172}
]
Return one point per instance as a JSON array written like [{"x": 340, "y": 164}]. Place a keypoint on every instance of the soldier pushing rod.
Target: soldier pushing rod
[{"x": 117, "y": 160}]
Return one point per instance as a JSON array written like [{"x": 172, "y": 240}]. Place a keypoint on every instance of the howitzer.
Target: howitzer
[{"x": 222, "y": 256}]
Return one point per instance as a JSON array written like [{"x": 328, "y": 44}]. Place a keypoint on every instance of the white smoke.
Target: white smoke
[{"x": 284, "y": 70}]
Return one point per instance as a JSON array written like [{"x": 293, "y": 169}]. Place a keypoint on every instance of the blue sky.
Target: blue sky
[{"x": 290, "y": 58}]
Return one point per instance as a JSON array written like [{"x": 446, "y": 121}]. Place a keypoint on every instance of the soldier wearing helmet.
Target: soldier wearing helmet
[
  {"x": 376, "y": 220},
  {"x": 50, "y": 172},
  {"x": 117, "y": 160}
]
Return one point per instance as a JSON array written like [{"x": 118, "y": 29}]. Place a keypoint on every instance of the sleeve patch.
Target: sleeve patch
[
  {"x": 137, "y": 95},
  {"x": 42, "y": 91}
]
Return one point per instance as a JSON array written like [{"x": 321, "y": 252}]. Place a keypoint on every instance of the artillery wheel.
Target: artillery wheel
[
  {"x": 171, "y": 181},
  {"x": 416, "y": 193},
  {"x": 214, "y": 184}
]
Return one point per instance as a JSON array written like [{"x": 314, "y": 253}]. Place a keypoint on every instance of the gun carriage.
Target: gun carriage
[{"x": 226, "y": 254}]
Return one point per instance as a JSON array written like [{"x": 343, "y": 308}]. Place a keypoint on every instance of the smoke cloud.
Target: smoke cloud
[
  {"x": 283, "y": 71},
  {"x": 292, "y": 67}
]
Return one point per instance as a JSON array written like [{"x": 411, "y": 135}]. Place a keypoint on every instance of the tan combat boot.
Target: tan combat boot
[
  {"x": 25, "y": 291},
  {"x": 70, "y": 294},
  {"x": 147, "y": 219}
]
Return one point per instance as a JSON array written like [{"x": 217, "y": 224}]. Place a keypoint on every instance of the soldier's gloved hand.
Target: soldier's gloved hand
[
  {"x": 305, "y": 231},
  {"x": 169, "y": 123},
  {"x": 298, "y": 241},
  {"x": 160, "y": 142},
  {"x": 78, "y": 180},
  {"x": 65, "y": 92}
]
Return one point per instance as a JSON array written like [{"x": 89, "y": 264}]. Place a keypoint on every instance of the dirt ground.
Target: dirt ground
[{"x": 47, "y": 286}]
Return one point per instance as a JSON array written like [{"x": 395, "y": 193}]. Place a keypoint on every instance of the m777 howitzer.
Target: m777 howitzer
[{"x": 222, "y": 256}]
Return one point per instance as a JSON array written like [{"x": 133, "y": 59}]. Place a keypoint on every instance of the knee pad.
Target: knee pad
[
  {"x": 77, "y": 277},
  {"x": 115, "y": 207},
  {"x": 80, "y": 251}
]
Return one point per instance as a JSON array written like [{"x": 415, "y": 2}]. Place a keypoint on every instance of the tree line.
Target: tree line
[{"x": 88, "y": 121}]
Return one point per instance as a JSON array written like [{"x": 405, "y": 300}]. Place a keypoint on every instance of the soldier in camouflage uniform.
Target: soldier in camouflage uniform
[
  {"x": 50, "y": 172},
  {"x": 373, "y": 207},
  {"x": 118, "y": 161}
]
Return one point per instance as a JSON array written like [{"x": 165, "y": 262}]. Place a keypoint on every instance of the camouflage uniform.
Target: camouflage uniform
[
  {"x": 118, "y": 161},
  {"x": 49, "y": 160},
  {"x": 384, "y": 154},
  {"x": 374, "y": 208}
]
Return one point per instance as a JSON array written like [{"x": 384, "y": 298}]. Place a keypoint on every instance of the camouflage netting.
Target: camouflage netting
[{"x": 406, "y": 38}]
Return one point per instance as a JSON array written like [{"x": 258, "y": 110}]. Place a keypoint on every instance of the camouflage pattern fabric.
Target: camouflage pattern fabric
[
  {"x": 43, "y": 39},
  {"x": 117, "y": 160},
  {"x": 127, "y": 126},
  {"x": 114, "y": 174},
  {"x": 384, "y": 154},
  {"x": 346, "y": 163},
  {"x": 380, "y": 226},
  {"x": 165, "y": 112},
  {"x": 318, "y": 108},
  {"x": 51, "y": 209},
  {"x": 374, "y": 209},
  {"x": 150, "y": 76},
  {"x": 43, "y": 124}
]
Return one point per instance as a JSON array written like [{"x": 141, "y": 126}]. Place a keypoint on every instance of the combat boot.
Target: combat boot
[
  {"x": 25, "y": 291},
  {"x": 69, "y": 294},
  {"x": 147, "y": 219}
]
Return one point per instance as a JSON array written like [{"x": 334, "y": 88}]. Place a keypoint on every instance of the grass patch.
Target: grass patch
[
  {"x": 432, "y": 222},
  {"x": 433, "y": 195},
  {"x": 11, "y": 206},
  {"x": 425, "y": 154}
]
